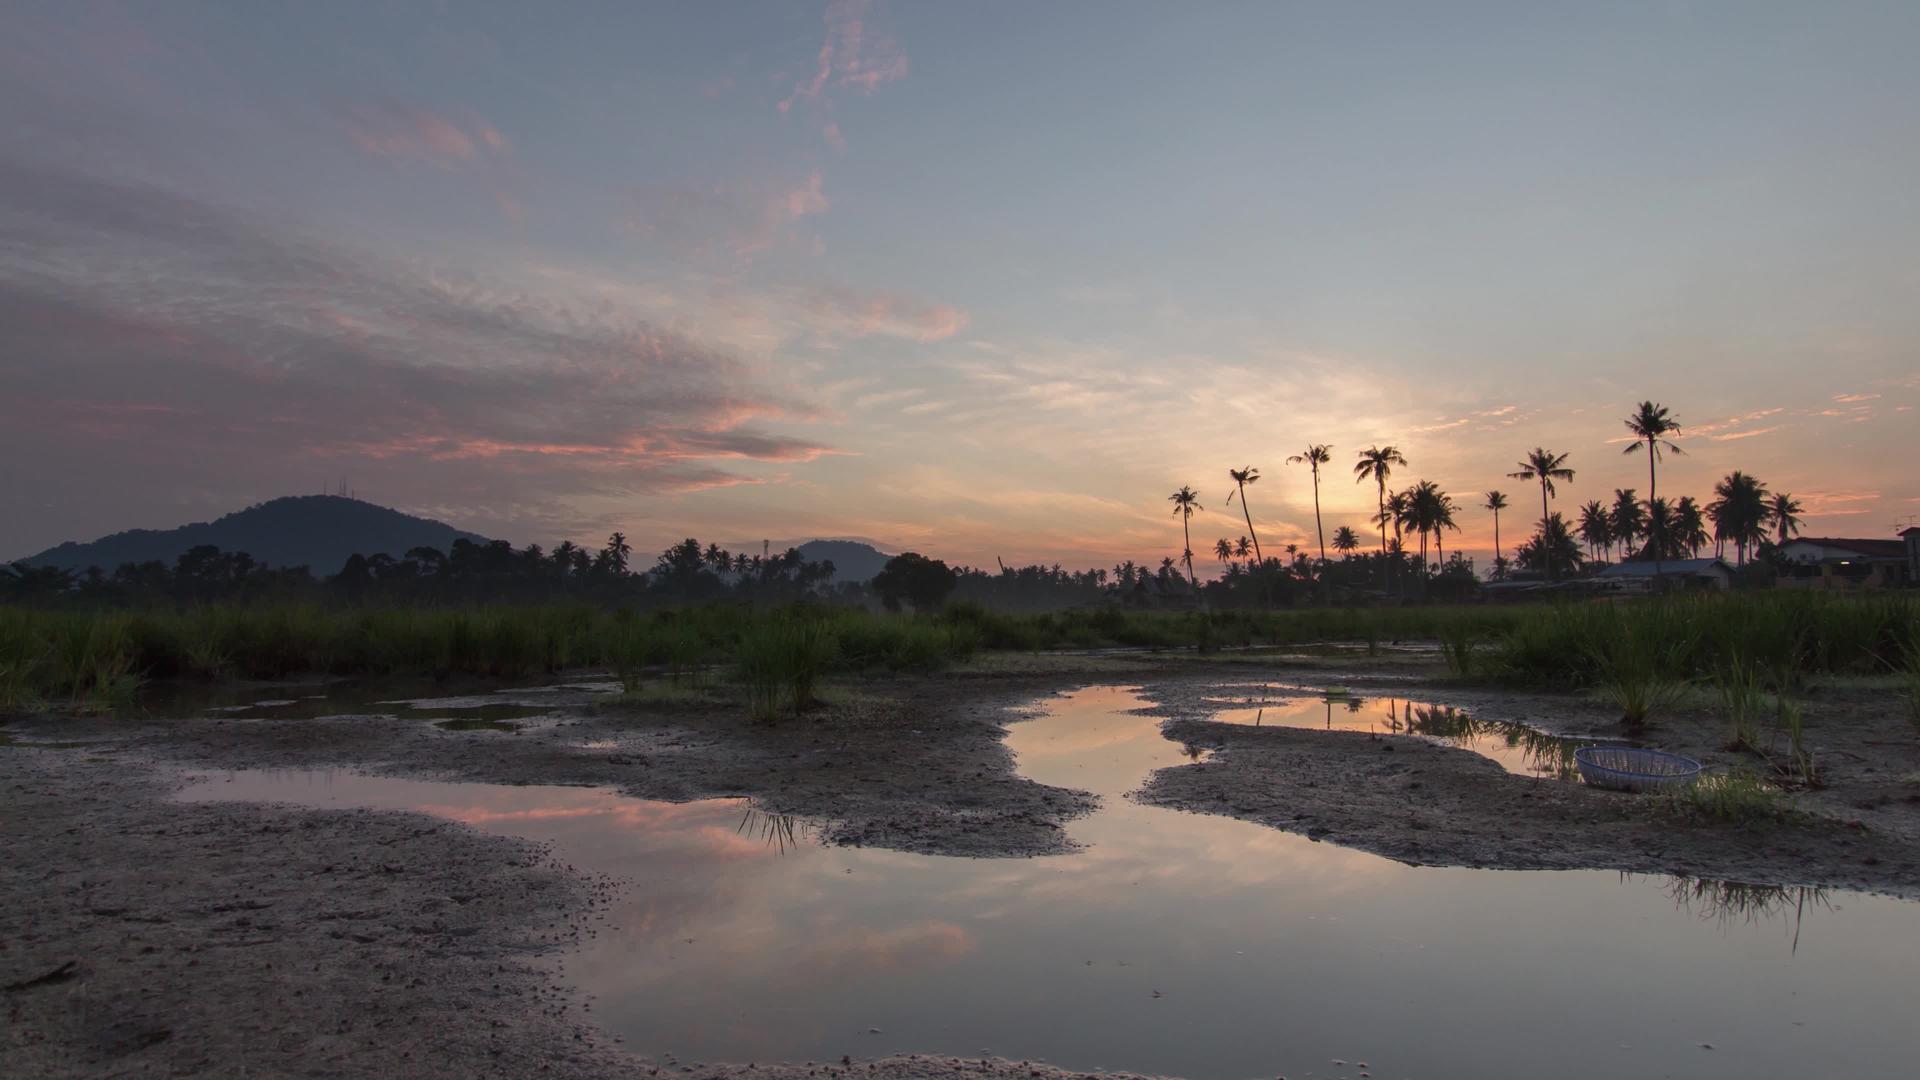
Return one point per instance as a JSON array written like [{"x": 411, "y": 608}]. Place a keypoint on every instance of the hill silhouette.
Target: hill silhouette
[
  {"x": 315, "y": 531},
  {"x": 852, "y": 560}
]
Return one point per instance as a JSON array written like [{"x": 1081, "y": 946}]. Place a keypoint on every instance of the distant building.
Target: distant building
[
  {"x": 1636, "y": 575},
  {"x": 1912, "y": 537},
  {"x": 1830, "y": 562}
]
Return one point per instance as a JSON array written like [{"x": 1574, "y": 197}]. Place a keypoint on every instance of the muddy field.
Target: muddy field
[{"x": 139, "y": 934}]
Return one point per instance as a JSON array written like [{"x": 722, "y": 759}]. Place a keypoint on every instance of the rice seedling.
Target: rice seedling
[
  {"x": 1800, "y": 763},
  {"x": 1738, "y": 796},
  {"x": 1457, "y": 642},
  {"x": 1742, "y": 699}
]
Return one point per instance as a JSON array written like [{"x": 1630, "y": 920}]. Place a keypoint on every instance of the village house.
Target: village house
[{"x": 1826, "y": 562}]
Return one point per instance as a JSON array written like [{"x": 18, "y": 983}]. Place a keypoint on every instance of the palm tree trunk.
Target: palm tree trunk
[
  {"x": 1187, "y": 535},
  {"x": 1496, "y": 544},
  {"x": 1653, "y": 493},
  {"x": 1259, "y": 558},
  {"x": 1320, "y": 529},
  {"x": 1546, "y": 541}
]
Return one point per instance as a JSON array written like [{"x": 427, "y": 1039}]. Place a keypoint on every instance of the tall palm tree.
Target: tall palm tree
[
  {"x": 1376, "y": 463},
  {"x": 1241, "y": 478},
  {"x": 1345, "y": 540},
  {"x": 1784, "y": 510},
  {"x": 1651, "y": 426},
  {"x": 1628, "y": 520},
  {"x": 1545, "y": 466},
  {"x": 1596, "y": 528},
  {"x": 1496, "y": 502},
  {"x": 1185, "y": 502},
  {"x": 1739, "y": 513},
  {"x": 1314, "y": 456}
]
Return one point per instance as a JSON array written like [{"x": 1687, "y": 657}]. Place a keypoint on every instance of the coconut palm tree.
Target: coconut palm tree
[
  {"x": 1496, "y": 502},
  {"x": 1739, "y": 513},
  {"x": 1346, "y": 541},
  {"x": 1376, "y": 463},
  {"x": 1223, "y": 549},
  {"x": 1185, "y": 502},
  {"x": 1627, "y": 520},
  {"x": 1314, "y": 456},
  {"x": 1689, "y": 526},
  {"x": 1241, "y": 478},
  {"x": 1244, "y": 548},
  {"x": 1545, "y": 466},
  {"x": 1553, "y": 546},
  {"x": 1784, "y": 510},
  {"x": 1596, "y": 528},
  {"x": 1661, "y": 527},
  {"x": 1651, "y": 426}
]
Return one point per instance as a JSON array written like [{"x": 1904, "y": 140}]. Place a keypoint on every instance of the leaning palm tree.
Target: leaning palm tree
[
  {"x": 1496, "y": 502},
  {"x": 1651, "y": 426},
  {"x": 1596, "y": 527},
  {"x": 1376, "y": 463},
  {"x": 1784, "y": 510},
  {"x": 1185, "y": 502},
  {"x": 1545, "y": 466},
  {"x": 1314, "y": 456},
  {"x": 1241, "y": 478}
]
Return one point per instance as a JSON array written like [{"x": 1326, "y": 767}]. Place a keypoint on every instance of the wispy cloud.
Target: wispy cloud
[
  {"x": 852, "y": 313},
  {"x": 739, "y": 221},
  {"x": 857, "y": 54},
  {"x": 408, "y": 133}
]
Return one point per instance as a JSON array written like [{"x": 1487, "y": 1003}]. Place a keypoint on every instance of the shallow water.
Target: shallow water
[
  {"x": 1182, "y": 944},
  {"x": 1518, "y": 748}
]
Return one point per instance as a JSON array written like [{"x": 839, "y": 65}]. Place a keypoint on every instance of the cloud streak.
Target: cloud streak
[{"x": 174, "y": 336}]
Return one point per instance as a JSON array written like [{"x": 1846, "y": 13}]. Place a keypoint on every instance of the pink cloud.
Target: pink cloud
[
  {"x": 853, "y": 314},
  {"x": 742, "y": 220},
  {"x": 855, "y": 54},
  {"x": 400, "y": 132}
]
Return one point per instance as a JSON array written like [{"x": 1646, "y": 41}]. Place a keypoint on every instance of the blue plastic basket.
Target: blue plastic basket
[{"x": 1629, "y": 768}]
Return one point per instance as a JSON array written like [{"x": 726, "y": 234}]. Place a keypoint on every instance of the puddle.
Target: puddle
[
  {"x": 1182, "y": 944},
  {"x": 1518, "y": 748},
  {"x": 475, "y": 724}
]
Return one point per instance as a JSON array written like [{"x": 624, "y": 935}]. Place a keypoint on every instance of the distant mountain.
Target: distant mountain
[
  {"x": 852, "y": 560},
  {"x": 315, "y": 531}
]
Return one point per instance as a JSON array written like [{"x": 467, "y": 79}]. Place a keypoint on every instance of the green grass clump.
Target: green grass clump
[
  {"x": 1738, "y": 796},
  {"x": 1742, "y": 698}
]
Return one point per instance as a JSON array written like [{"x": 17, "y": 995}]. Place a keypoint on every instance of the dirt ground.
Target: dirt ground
[{"x": 140, "y": 935}]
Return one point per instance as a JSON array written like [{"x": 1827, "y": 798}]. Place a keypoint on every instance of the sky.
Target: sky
[{"x": 982, "y": 280}]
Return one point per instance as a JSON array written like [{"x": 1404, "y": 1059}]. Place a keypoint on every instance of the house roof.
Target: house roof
[
  {"x": 1645, "y": 567},
  {"x": 1910, "y": 530},
  {"x": 1876, "y": 548}
]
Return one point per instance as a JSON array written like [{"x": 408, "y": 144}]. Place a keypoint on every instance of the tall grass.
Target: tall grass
[
  {"x": 1634, "y": 649},
  {"x": 1742, "y": 699},
  {"x": 782, "y": 658}
]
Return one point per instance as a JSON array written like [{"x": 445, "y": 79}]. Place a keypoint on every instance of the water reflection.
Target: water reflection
[
  {"x": 782, "y": 832},
  {"x": 1737, "y": 902},
  {"x": 1180, "y": 944},
  {"x": 1519, "y": 748}
]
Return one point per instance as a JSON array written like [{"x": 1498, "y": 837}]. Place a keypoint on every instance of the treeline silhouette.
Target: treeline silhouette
[{"x": 689, "y": 573}]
